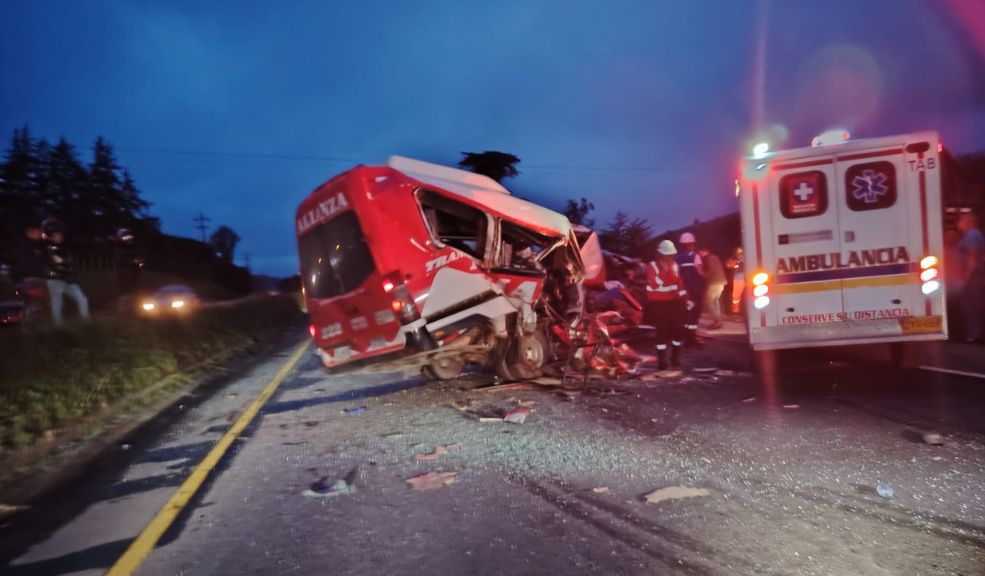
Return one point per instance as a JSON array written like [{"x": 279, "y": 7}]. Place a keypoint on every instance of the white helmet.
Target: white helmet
[
  {"x": 687, "y": 238},
  {"x": 667, "y": 248}
]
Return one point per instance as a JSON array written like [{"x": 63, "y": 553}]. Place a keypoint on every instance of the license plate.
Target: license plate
[{"x": 922, "y": 324}]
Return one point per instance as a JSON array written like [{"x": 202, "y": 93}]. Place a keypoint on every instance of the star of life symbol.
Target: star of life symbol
[
  {"x": 803, "y": 192},
  {"x": 869, "y": 186}
]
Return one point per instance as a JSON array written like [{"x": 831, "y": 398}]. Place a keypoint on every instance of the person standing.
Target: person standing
[
  {"x": 715, "y": 281},
  {"x": 666, "y": 304},
  {"x": 692, "y": 275},
  {"x": 27, "y": 255},
  {"x": 971, "y": 260},
  {"x": 62, "y": 274}
]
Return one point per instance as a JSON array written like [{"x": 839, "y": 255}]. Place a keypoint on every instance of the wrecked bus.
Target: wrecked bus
[{"x": 416, "y": 265}]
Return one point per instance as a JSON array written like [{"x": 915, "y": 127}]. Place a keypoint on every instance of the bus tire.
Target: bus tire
[
  {"x": 523, "y": 357},
  {"x": 443, "y": 368}
]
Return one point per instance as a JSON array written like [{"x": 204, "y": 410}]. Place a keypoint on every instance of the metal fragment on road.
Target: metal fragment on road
[
  {"x": 675, "y": 493},
  {"x": 431, "y": 480},
  {"x": 791, "y": 406},
  {"x": 439, "y": 451},
  {"x": 933, "y": 438},
  {"x": 517, "y": 415},
  {"x": 749, "y": 400}
]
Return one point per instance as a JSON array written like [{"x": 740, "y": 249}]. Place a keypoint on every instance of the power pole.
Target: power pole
[{"x": 202, "y": 219}]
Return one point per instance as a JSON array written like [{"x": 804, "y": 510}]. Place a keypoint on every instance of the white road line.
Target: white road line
[{"x": 951, "y": 371}]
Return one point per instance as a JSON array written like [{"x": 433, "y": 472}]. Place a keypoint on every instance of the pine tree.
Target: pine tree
[
  {"x": 19, "y": 180},
  {"x": 67, "y": 180}
]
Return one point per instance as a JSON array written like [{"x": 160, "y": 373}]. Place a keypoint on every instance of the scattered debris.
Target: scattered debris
[
  {"x": 393, "y": 435},
  {"x": 674, "y": 493},
  {"x": 506, "y": 387},
  {"x": 439, "y": 451},
  {"x": 791, "y": 406},
  {"x": 547, "y": 381},
  {"x": 354, "y": 411},
  {"x": 884, "y": 490},
  {"x": 311, "y": 423},
  {"x": 601, "y": 490},
  {"x": 320, "y": 488},
  {"x": 749, "y": 400},
  {"x": 568, "y": 394},
  {"x": 933, "y": 438},
  {"x": 705, "y": 369},
  {"x": 525, "y": 403},
  {"x": 672, "y": 373},
  {"x": 516, "y": 415},
  {"x": 7, "y": 509},
  {"x": 725, "y": 373},
  {"x": 431, "y": 480},
  {"x": 489, "y": 419},
  {"x": 232, "y": 395},
  {"x": 463, "y": 405}
]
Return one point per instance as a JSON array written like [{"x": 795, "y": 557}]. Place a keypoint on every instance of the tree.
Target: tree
[
  {"x": 577, "y": 212},
  {"x": 223, "y": 242},
  {"x": 20, "y": 181},
  {"x": 631, "y": 237},
  {"x": 66, "y": 181},
  {"x": 496, "y": 165}
]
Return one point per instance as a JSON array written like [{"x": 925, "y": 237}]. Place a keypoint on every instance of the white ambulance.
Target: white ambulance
[{"x": 843, "y": 242}]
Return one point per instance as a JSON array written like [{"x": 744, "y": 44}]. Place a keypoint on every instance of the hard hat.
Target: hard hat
[
  {"x": 687, "y": 238},
  {"x": 667, "y": 248}
]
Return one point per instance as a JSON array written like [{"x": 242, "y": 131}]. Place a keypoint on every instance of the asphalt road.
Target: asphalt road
[{"x": 789, "y": 466}]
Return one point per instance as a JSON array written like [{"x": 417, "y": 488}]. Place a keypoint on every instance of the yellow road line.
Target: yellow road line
[{"x": 145, "y": 542}]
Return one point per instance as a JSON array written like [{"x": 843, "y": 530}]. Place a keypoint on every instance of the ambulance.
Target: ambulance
[
  {"x": 843, "y": 242},
  {"x": 416, "y": 265}
]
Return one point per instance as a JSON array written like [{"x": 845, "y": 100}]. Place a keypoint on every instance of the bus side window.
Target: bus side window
[{"x": 455, "y": 224}]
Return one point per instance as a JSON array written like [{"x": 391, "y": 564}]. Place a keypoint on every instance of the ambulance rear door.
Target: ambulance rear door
[
  {"x": 873, "y": 199},
  {"x": 804, "y": 218}
]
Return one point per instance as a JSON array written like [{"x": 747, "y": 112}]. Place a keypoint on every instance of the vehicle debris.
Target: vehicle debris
[
  {"x": 884, "y": 490},
  {"x": 675, "y": 493},
  {"x": 354, "y": 411},
  {"x": 517, "y": 415},
  {"x": 463, "y": 405},
  {"x": 439, "y": 451},
  {"x": 933, "y": 438},
  {"x": 725, "y": 373},
  {"x": 749, "y": 400},
  {"x": 791, "y": 406},
  {"x": 601, "y": 490},
  {"x": 506, "y": 387},
  {"x": 321, "y": 489},
  {"x": 489, "y": 419},
  {"x": 705, "y": 369},
  {"x": 8, "y": 509},
  {"x": 431, "y": 480}
]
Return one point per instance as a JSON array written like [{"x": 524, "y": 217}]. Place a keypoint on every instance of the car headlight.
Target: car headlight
[
  {"x": 177, "y": 303},
  {"x": 148, "y": 306}
]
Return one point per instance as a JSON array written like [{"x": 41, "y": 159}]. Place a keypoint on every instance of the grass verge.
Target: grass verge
[{"x": 51, "y": 381}]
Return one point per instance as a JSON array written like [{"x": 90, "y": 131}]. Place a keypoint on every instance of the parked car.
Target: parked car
[{"x": 171, "y": 299}]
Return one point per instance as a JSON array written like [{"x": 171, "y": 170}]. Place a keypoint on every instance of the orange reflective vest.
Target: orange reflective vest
[{"x": 664, "y": 284}]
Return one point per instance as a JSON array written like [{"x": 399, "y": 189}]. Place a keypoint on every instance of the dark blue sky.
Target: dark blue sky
[{"x": 239, "y": 109}]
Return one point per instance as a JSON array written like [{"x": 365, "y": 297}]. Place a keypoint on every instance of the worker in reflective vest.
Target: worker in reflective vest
[
  {"x": 693, "y": 275},
  {"x": 666, "y": 304}
]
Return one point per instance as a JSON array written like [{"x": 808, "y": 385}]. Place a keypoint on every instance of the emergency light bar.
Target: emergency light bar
[{"x": 830, "y": 137}]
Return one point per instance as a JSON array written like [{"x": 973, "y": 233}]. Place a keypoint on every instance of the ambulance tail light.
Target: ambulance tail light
[
  {"x": 311, "y": 330},
  {"x": 761, "y": 290},
  {"x": 929, "y": 275}
]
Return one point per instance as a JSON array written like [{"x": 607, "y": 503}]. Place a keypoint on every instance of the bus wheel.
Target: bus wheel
[
  {"x": 443, "y": 368},
  {"x": 523, "y": 357}
]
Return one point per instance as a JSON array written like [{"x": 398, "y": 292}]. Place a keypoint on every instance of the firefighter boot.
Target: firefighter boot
[
  {"x": 662, "y": 358},
  {"x": 675, "y": 356}
]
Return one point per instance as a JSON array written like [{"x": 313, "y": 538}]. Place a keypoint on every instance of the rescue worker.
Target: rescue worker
[
  {"x": 62, "y": 274},
  {"x": 666, "y": 304},
  {"x": 692, "y": 275}
]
